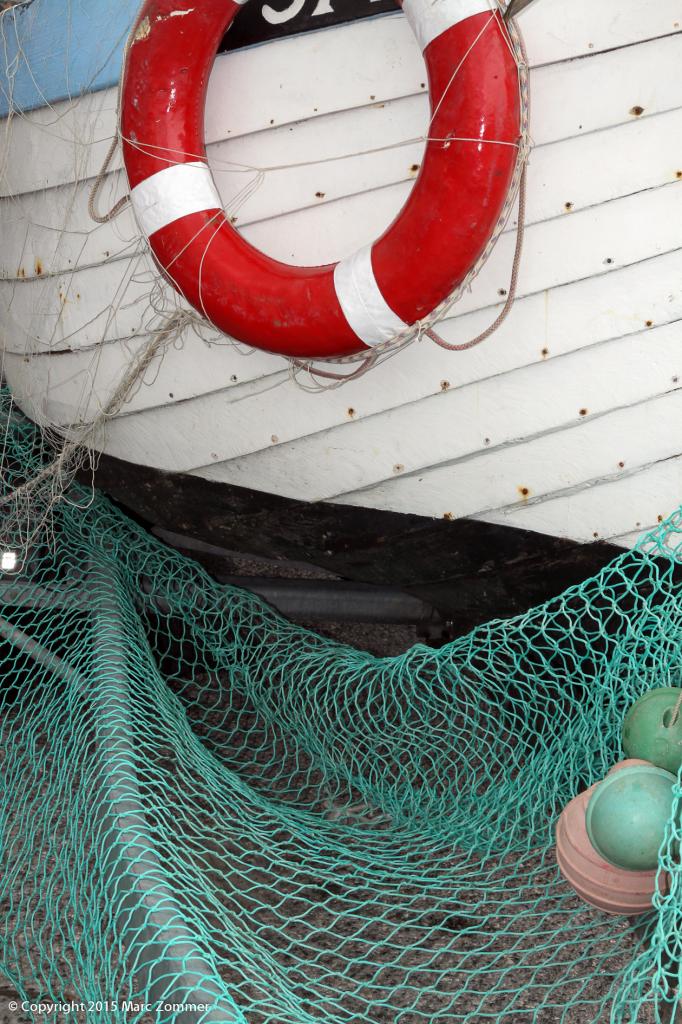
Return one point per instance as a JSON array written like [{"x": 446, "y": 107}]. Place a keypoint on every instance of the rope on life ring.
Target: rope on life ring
[{"x": 379, "y": 296}]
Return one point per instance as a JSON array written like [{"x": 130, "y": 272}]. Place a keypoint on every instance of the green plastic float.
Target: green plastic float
[
  {"x": 652, "y": 731},
  {"x": 627, "y": 816}
]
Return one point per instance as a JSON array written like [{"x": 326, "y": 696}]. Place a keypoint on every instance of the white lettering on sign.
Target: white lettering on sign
[
  {"x": 279, "y": 17},
  {"x": 275, "y": 17}
]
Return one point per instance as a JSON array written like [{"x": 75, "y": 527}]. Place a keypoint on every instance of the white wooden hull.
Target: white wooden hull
[{"x": 568, "y": 421}]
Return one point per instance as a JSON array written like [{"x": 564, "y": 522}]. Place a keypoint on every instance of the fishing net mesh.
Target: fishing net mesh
[{"x": 208, "y": 813}]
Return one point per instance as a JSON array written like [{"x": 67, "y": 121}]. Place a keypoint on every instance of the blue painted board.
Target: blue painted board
[
  {"x": 54, "y": 49},
  {"x": 51, "y": 50}
]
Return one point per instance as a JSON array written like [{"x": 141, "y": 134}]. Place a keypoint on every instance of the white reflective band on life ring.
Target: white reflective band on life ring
[
  {"x": 429, "y": 20},
  {"x": 175, "y": 192},
  {"x": 364, "y": 307}
]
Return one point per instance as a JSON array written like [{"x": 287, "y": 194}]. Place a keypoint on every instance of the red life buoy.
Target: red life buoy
[{"x": 368, "y": 298}]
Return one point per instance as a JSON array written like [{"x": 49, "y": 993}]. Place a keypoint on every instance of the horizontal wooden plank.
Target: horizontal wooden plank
[
  {"x": 47, "y": 68},
  {"x": 469, "y": 570},
  {"x": 504, "y": 410},
  {"x": 541, "y": 327},
  {"x": 657, "y": 537},
  {"x": 628, "y": 504},
  {"x": 304, "y": 78},
  {"x": 634, "y": 537},
  {"x": 600, "y": 449},
  {"x": 67, "y": 310},
  {"x": 418, "y": 450},
  {"x": 56, "y": 50},
  {"x": 54, "y": 228},
  {"x": 643, "y": 153},
  {"x": 330, "y": 71},
  {"x": 556, "y": 30}
]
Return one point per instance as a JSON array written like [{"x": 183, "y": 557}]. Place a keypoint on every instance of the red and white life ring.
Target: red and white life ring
[{"x": 372, "y": 296}]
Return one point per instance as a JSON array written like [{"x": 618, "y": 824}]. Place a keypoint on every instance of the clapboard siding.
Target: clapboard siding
[
  {"x": 553, "y": 181},
  {"x": 306, "y": 77},
  {"x": 496, "y": 413},
  {"x": 69, "y": 311},
  {"x": 615, "y": 444},
  {"x": 564, "y": 320},
  {"x": 503, "y": 410},
  {"x": 628, "y": 505},
  {"x": 643, "y": 153},
  {"x": 46, "y": 66},
  {"x": 652, "y": 536},
  {"x": 583, "y": 27}
]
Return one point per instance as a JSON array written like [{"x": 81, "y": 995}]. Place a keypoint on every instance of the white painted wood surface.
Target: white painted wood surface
[
  {"x": 583, "y": 386},
  {"x": 531, "y": 428},
  {"x": 293, "y": 79},
  {"x": 569, "y": 100},
  {"x": 634, "y": 503},
  {"x": 556, "y": 322},
  {"x": 636, "y": 229}
]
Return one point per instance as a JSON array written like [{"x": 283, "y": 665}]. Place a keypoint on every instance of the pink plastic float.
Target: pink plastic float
[{"x": 608, "y": 888}]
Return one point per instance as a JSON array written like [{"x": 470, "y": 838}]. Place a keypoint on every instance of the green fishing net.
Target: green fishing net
[{"x": 209, "y": 814}]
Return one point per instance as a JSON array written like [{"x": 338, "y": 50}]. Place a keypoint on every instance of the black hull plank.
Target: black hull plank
[{"x": 469, "y": 571}]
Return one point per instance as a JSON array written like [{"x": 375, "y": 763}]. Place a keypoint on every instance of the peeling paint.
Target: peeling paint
[
  {"x": 145, "y": 27},
  {"x": 143, "y": 30}
]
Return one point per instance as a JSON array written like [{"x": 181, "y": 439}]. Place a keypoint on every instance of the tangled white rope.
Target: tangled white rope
[{"x": 59, "y": 473}]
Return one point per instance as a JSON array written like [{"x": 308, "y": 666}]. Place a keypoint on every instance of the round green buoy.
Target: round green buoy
[
  {"x": 627, "y": 815},
  {"x": 649, "y": 731}
]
